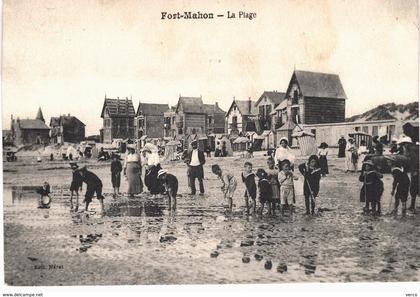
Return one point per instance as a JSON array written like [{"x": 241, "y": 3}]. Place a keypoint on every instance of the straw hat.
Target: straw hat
[
  {"x": 404, "y": 139},
  {"x": 161, "y": 172}
]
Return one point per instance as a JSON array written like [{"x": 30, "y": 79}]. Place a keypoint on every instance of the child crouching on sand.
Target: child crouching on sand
[{"x": 228, "y": 184}]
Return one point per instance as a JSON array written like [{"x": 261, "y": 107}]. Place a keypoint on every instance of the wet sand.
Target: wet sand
[{"x": 139, "y": 241}]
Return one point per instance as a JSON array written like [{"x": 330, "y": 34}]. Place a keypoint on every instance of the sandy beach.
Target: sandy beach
[{"x": 139, "y": 241}]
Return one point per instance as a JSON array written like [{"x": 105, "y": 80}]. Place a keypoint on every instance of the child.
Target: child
[
  {"x": 45, "y": 199},
  {"x": 287, "y": 188},
  {"x": 228, "y": 184},
  {"x": 312, "y": 175},
  {"x": 274, "y": 182},
  {"x": 248, "y": 178},
  {"x": 170, "y": 185},
  {"x": 401, "y": 184},
  {"x": 264, "y": 189},
  {"x": 94, "y": 184},
  {"x": 372, "y": 188},
  {"x": 116, "y": 169},
  {"x": 76, "y": 185}
]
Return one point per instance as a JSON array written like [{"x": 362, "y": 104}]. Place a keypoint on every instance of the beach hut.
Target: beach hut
[
  {"x": 171, "y": 149},
  {"x": 240, "y": 143},
  {"x": 358, "y": 136},
  {"x": 306, "y": 142}
]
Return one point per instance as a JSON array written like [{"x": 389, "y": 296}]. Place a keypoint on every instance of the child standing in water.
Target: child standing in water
[
  {"x": 272, "y": 173},
  {"x": 372, "y": 188},
  {"x": 45, "y": 199},
  {"x": 265, "y": 192},
  {"x": 116, "y": 169},
  {"x": 401, "y": 185},
  {"x": 228, "y": 184},
  {"x": 76, "y": 185},
  {"x": 287, "y": 188},
  {"x": 248, "y": 178},
  {"x": 312, "y": 175}
]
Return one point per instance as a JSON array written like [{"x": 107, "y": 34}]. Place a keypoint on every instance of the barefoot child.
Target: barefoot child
[
  {"x": 116, "y": 169},
  {"x": 228, "y": 184},
  {"x": 76, "y": 185},
  {"x": 372, "y": 188},
  {"x": 265, "y": 192},
  {"x": 287, "y": 188},
  {"x": 401, "y": 185},
  {"x": 170, "y": 184},
  {"x": 274, "y": 182},
  {"x": 94, "y": 184},
  {"x": 248, "y": 178},
  {"x": 312, "y": 175}
]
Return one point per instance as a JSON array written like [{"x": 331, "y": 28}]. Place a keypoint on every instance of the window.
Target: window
[
  {"x": 295, "y": 98},
  {"x": 261, "y": 110},
  {"x": 210, "y": 119},
  {"x": 391, "y": 131},
  {"x": 375, "y": 130},
  {"x": 268, "y": 108},
  {"x": 180, "y": 131},
  {"x": 365, "y": 129},
  {"x": 357, "y": 128},
  {"x": 295, "y": 115},
  {"x": 141, "y": 123}
]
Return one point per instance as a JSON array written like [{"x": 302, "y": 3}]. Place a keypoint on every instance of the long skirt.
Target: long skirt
[
  {"x": 135, "y": 185},
  {"x": 151, "y": 180},
  {"x": 276, "y": 192},
  {"x": 351, "y": 164},
  {"x": 323, "y": 163}
]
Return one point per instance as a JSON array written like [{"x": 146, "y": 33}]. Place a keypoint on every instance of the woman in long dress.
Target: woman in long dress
[
  {"x": 132, "y": 171},
  {"x": 152, "y": 163},
  {"x": 362, "y": 151},
  {"x": 284, "y": 152},
  {"x": 323, "y": 162},
  {"x": 351, "y": 156}
]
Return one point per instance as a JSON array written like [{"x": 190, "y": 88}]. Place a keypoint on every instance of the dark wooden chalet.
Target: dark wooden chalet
[
  {"x": 150, "y": 120},
  {"x": 67, "y": 129}
]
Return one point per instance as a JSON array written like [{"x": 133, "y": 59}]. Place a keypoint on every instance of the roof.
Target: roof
[
  {"x": 191, "y": 105},
  {"x": 65, "y": 121},
  {"x": 275, "y": 97},
  {"x": 152, "y": 108},
  {"x": 243, "y": 107},
  {"x": 39, "y": 115},
  {"x": 320, "y": 85},
  {"x": 32, "y": 125},
  {"x": 118, "y": 108},
  {"x": 213, "y": 109},
  {"x": 281, "y": 106}
]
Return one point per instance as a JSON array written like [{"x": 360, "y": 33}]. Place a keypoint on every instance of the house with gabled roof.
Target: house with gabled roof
[
  {"x": 67, "y": 128},
  {"x": 241, "y": 117},
  {"x": 30, "y": 131},
  {"x": 118, "y": 119},
  {"x": 150, "y": 120},
  {"x": 312, "y": 98}
]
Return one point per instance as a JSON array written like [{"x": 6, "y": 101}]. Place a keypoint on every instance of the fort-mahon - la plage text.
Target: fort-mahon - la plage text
[{"x": 198, "y": 15}]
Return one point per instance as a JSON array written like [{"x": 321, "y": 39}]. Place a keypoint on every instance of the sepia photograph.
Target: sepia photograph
[{"x": 210, "y": 143}]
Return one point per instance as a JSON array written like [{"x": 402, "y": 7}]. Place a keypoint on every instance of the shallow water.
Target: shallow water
[{"x": 139, "y": 241}]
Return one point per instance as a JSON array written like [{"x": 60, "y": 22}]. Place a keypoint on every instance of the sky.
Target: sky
[{"x": 65, "y": 56}]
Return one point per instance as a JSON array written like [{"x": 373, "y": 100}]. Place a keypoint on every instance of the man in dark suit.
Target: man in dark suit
[{"x": 195, "y": 161}]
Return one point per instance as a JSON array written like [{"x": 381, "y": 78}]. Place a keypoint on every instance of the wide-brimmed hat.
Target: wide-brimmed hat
[
  {"x": 369, "y": 162},
  {"x": 396, "y": 168},
  {"x": 161, "y": 172},
  {"x": 351, "y": 139},
  {"x": 285, "y": 139},
  {"x": 131, "y": 146},
  {"x": 404, "y": 139}
]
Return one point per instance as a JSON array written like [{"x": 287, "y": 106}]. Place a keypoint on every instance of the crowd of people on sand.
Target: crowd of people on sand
[{"x": 273, "y": 186}]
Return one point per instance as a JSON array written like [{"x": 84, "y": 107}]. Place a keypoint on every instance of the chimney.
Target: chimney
[
  {"x": 249, "y": 104},
  {"x": 217, "y": 104},
  {"x": 68, "y": 114}
]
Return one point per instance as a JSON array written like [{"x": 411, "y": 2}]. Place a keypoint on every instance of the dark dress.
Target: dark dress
[
  {"x": 94, "y": 184},
  {"x": 151, "y": 180},
  {"x": 402, "y": 185},
  {"x": 76, "y": 182},
  {"x": 310, "y": 184},
  {"x": 116, "y": 169},
  {"x": 342, "y": 147},
  {"x": 170, "y": 184},
  {"x": 265, "y": 191},
  {"x": 372, "y": 188},
  {"x": 250, "y": 185}
]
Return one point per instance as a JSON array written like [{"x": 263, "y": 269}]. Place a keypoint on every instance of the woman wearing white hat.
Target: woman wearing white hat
[
  {"x": 132, "y": 171},
  {"x": 351, "y": 156}
]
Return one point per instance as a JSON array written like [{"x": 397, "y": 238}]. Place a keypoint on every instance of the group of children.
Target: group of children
[{"x": 275, "y": 188}]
